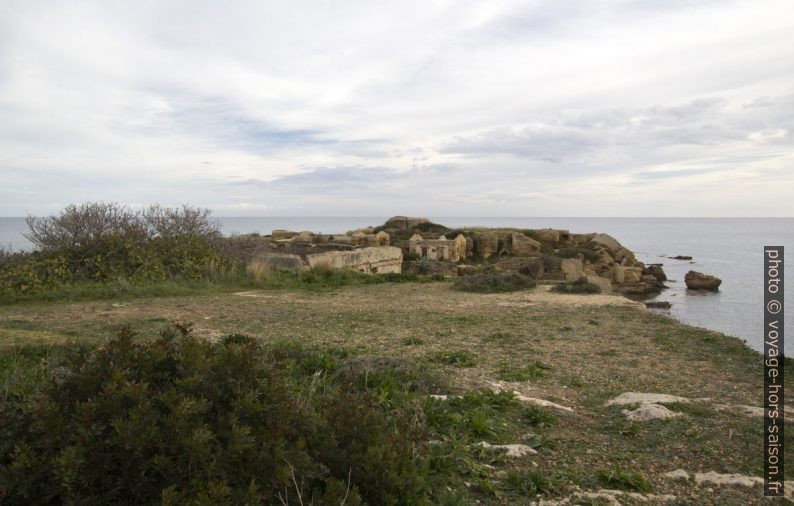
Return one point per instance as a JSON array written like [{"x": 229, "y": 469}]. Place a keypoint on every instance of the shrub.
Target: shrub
[
  {"x": 588, "y": 254},
  {"x": 81, "y": 225},
  {"x": 494, "y": 282},
  {"x": 101, "y": 243},
  {"x": 551, "y": 264},
  {"x": 180, "y": 420},
  {"x": 411, "y": 256},
  {"x": 581, "y": 285},
  {"x": 532, "y": 481}
]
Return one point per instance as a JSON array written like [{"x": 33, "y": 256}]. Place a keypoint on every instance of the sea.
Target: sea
[{"x": 729, "y": 248}]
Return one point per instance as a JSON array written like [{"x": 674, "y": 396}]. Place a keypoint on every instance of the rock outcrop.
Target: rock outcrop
[
  {"x": 486, "y": 244},
  {"x": 698, "y": 281},
  {"x": 521, "y": 245}
]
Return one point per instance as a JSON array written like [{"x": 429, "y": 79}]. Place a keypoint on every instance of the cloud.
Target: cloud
[{"x": 495, "y": 108}]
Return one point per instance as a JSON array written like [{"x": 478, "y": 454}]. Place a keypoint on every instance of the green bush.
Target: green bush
[
  {"x": 109, "y": 243},
  {"x": 494, "y": 282},
  {"x": 581, "y": 285},
  {"x": 588, "y": 254},
  {"x": 179, "y": 420},
  {"x": 112, "y": 258}
]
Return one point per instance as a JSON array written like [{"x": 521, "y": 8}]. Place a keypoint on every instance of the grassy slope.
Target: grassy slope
[{"x": 590, "y": 354}]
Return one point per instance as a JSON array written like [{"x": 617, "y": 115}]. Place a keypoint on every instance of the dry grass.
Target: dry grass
[{"x": 594, "y": 347}]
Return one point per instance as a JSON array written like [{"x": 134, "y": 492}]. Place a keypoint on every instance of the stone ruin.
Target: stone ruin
[
  {"x": 543, "y": 254},
  {"x": 362, "y": 251},
  {"x": 451, "y": 250}
]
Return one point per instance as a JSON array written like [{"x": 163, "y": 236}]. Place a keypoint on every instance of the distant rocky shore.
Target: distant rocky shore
[{"x": 410, "y": 244}]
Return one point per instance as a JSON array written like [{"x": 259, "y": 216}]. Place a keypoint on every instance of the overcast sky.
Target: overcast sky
[{"x": 442, "y": 108}]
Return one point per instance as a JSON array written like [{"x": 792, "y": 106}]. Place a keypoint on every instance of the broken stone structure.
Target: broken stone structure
[
  {"x": 375, "y": 260},
  {"x": 442, "y": 248}
]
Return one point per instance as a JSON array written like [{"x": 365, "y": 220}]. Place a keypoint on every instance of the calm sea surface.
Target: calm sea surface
[{"x": 729, "y": 248}]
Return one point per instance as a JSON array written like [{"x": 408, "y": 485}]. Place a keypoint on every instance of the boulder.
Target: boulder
[
  {"x": 603, "y": 283},
  {"x": 571, "y": 269},
  {"x": 649, "y": 279},
  {"x": 550, "y": 235},
  {"x": 533, "y": 269},
  {"x": 682, "y": 257},
  {"x": 698, "y": 281},
  {"x": 486, "y": 244},
  {"x": 658, "y": 304},
  {"x": 581, "y": 239},
  {"x": 521, "y": 245},
  {"x": 656, "y": 271},
  {"x": 628, "y": 275},
  {"x": 607, "y": 241}
]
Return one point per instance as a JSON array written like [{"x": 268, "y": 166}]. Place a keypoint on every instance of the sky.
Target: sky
[{"x": 372, "y": 108}]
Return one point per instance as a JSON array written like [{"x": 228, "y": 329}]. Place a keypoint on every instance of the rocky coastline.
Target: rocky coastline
[{"x": 411, "y": 244}]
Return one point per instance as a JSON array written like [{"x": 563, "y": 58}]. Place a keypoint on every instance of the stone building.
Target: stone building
[{"x": 442, "y": 248}]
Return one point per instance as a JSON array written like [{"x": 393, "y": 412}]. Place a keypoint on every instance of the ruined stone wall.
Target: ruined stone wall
[{"x": 368, "y": 260}]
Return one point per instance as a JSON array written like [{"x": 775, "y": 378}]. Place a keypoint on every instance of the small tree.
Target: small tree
[
  {"x": 78, "y": 225},
  {"x": 171, "y": 222}
]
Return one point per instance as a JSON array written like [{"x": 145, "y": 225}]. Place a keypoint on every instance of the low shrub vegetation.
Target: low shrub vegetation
[
  {"x": 104, "y": 250},
  {"x": 494, "y": 282},
  {"x": 586, "y": 253},
  {"x": 581, "y": 285},
  {"x": 624, "y": 479},
  {"x": 179, "y": 420}
]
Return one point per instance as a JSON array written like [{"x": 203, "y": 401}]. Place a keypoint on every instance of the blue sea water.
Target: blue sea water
[{"x": 729, "y": 248}]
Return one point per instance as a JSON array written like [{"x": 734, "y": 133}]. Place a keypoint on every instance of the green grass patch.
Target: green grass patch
[
  {"x": 456, "y": 358},
  {"x": 624, "y": 479}
]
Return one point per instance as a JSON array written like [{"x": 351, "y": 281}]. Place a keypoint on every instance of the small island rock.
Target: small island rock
[{"x": 699, "y": 281}]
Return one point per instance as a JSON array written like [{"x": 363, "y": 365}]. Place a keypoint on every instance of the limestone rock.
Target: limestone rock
[
  {"x": 698, "y": 281},
  {"x": 626, "y": 274},
  {"x": 571, "y": 269},
  {"x": 534, "y": 269},
  {"x": 603, "y": 283},
  {"x": 649, "y": 279},
  {"x": 656, "y": 271},
  {"x": 648, "y": 412},
  {"x": 486, "y": 244},
  {"x": 678, "y": 474},
  {"x": 551, "y": 235},
  {"x": 608, "y": 242},
  {"x": 727, "y": 479},
  {"x": 644, "y": 398},
  {"x": 521, "y": 245},
  {"x": 511, "y": 450}
]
